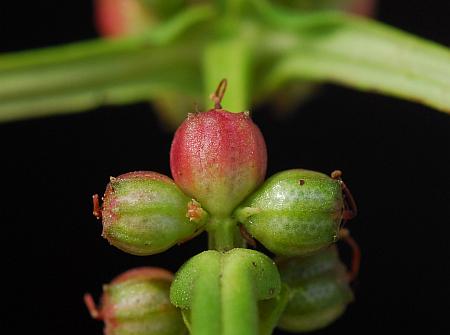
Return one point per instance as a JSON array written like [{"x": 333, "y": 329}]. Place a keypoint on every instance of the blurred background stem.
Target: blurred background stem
[
  {"x": 261, "y": 48},
  {"x": 230, "y": 59}
]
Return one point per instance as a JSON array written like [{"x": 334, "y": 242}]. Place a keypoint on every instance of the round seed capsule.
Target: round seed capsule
[
  {"x": 295, "y": 212},
  {"x": 219, "y": 291},
  {"x": 219, "y": 158},
  {"x": 137, "y": 302},
  {"x": 145, "y": 213},
  {"x": 319, "y": 290}
]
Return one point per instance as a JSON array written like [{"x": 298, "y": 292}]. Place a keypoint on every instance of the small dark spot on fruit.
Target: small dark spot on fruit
[
  {"x": 301, "y": 182},
  {"x": 254, "y": 264}
]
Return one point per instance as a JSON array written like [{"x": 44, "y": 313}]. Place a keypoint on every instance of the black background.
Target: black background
[{"x": 394, "y": 154}]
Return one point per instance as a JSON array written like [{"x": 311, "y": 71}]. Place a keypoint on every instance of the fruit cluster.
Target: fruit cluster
[{"x": 218, "y": 162}]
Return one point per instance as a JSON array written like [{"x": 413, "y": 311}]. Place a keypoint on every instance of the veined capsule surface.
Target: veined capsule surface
[
  {"x": 137, "y": 302},
  {"x": 294, "y": 212},
  {"x": 319, "y": 289},
  {"x": 218, "y": 158},
  {"x": 146, "y": 213}
]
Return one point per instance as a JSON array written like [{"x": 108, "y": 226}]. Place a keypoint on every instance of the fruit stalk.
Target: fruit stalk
[{"x": 223, "y": 234}]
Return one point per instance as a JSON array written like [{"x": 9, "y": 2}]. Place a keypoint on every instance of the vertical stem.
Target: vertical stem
[
  {"x": 223, "y": 234},
  {"x": 229, "y": 59}
]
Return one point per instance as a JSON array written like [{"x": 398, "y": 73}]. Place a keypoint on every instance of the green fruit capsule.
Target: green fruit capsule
[
  {"x": 319, "y": 290},
  {"x": 219, "y": 291},
  {"x": 295, "y": 212},
  {"x": 137, "y": 303},
  {"x": 145, "y": 213}
]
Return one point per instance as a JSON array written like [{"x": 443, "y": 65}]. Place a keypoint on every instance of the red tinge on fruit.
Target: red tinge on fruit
[
  {"x": 218, "y": 158},
  {"x": 116, "y": 18},
  {"x": 363, "y": 7}
]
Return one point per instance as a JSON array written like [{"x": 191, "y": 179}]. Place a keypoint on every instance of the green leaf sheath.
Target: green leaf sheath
[
  {"x": 366, "y": 55},
  {"x": 88, "y": 74}
]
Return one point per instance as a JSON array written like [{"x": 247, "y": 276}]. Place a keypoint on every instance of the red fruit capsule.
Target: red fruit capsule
[
  {"x": 219, "y": 158},
  {"x": 122, "y": 17}
]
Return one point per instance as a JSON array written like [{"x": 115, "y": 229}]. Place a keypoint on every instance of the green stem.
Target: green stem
[
  {"x": 92, "y": 72},
  {"x": 360, "y": 53},
  {"x": 223, "y": 234},
  {"x": 86, "y": 84},
  {"x": 158, "y": 36},
  {"x": 229, "y": 59},
  {"x": 88, "y": 74}
]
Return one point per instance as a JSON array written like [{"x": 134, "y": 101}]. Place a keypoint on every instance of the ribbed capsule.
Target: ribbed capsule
[
  {"x": 218, "y": 158},
  {"x": 294, "y": 212},
  {"x": 319, "y": 290},
  {"x": 145, "y": 213},
  {"x": 223, "y": 289},
  {"x": 137, "y": 303}
]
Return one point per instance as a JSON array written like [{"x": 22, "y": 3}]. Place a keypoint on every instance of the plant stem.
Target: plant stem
[
  {"x": 84, "y": 84},
  {"x": 157, "y": 36},
  {"x": 87, "y": 74},
  {"x": 360, "y": 53},
  {"x": 229, "y": 59},
  {"x": 223, "y": 234}
]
